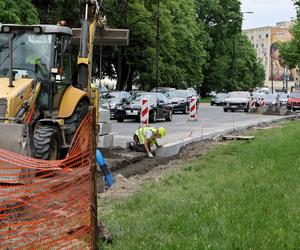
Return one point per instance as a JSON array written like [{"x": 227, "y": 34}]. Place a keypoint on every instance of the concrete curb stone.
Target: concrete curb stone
[{"x": 174, "y": 148}]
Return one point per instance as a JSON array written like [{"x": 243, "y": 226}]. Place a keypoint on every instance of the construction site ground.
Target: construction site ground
[{"x": 131, "y": 169}]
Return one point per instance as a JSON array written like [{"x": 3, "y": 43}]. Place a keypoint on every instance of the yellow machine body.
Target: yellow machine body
[
  {"x": 12, "y": 98},
  {"x": 71, "y": 98}
]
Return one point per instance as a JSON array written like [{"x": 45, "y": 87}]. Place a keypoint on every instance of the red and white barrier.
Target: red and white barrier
[
  {"x": 262, "y": 102},
  {"x": 145, "y": 111},
  {"x": 252, "y": 103},
  {"x": 193, "y": 108}
]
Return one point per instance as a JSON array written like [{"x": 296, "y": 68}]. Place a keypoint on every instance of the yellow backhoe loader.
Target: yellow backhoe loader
[{"x": 40, "y": 109}]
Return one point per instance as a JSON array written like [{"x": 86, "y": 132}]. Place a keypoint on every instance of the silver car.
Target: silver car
[
  {"x": 283, "y": 98},
  {"x": 218, "y": 99},
  {"x": 238, "y": 100}
]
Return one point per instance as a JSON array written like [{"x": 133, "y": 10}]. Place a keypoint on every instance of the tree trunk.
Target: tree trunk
[
  {"x": 124, "y": 71},
  {"x": 119, "y": 70}
]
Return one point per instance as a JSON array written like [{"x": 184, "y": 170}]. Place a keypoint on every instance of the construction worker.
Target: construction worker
[
  {"x": 39, "y": 67},
  {"x": 145, "y": 137}
]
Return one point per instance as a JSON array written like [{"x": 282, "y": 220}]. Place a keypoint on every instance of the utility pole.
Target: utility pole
[
  {"x": 272, "y": 74},
  {"x": 157, "y": 42},
  {"x": 286, "y": 78},
  {"x": 233, "y": 61}
]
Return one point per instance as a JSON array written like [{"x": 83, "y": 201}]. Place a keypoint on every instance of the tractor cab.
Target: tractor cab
[{"x": 41, "y": 53}]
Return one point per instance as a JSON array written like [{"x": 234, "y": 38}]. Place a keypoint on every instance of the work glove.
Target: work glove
[{"x": 150, "y": 155}]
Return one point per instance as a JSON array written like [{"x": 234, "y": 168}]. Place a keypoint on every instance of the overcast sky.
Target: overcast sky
[{"x": 267, "y": 12}]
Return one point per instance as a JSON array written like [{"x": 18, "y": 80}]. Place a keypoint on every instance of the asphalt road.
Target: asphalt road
[{"x": 211, "y": 119}]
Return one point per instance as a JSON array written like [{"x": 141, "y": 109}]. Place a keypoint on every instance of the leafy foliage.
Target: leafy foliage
[
  {"x": 181, "y": 53},
  {"x": 18, "y": 11},
  {"x": 52, "y": 11},
  {"x": 290, "y": 51},
  {"x": 232, "y": 62},
  {"x": 200, "y": 43}
]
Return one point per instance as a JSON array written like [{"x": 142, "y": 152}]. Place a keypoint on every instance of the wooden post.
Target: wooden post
[{"x": 93, "y": 205}]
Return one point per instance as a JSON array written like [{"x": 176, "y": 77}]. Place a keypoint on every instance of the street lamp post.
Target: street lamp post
[{"x": 157, "y": 43}]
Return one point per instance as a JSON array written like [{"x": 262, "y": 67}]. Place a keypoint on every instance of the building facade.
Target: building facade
[{"x": 265, "y": 41}]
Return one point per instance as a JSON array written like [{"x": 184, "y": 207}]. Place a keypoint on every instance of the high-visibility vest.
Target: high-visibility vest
[
  {"x": 141, "y": 132},
  {"x": 32, "y": 59}
]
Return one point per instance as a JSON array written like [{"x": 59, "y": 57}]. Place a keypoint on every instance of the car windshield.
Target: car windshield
[
  {"x": 178, "y": 93},
  {"x": 270, "y": 97},
  {"x": 295, "y": 95},
  {"x": 259, "y": 95},
  {"x": 151, "y": 97},
  {"x": 112, "y": 95},
  {"x": 237, "y": 95},
  {"x": 220, "y": 95},
  {"x": 30, "y": 55},
  {"x": 282, "y": 95}
]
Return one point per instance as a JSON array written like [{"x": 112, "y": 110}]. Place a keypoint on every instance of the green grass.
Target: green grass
[
  {"x": 243, "y": 195},
  {"x": 205, "y": 99}
]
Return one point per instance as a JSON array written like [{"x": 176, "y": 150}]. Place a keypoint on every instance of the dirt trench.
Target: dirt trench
[
  {"x": 129, "y": 176},
  {"x": 131, "y": 169}
]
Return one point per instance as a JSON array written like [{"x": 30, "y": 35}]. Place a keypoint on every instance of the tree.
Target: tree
[
  {"x": 18, "y": 11},
  {"x": 52, "y": 11},
  {"x": 229, "y": 52},
  {"x": 249, "y": 71},
  {"x": 181, "y": 51}
]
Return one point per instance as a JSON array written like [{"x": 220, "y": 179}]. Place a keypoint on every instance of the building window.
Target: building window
[{"x": 267, "y": 35}]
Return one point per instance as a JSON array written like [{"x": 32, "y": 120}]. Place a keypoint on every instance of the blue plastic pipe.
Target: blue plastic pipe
[{"x": 104, "y": 169}]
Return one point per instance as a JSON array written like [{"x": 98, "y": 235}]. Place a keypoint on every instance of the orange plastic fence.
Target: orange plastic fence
[{"x": 53, "y": 208}]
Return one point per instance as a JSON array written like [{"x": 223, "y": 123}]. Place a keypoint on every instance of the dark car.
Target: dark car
[
  {"x": 159, "y": 107},
  {"x": 180, "y": 100},
  {"x": 294, "y": 101},
  {"x": 110, "y": 99}
]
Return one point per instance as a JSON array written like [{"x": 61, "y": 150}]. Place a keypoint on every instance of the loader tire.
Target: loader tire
[
  {"x": 47, "y": 143},
  {"x": 73, "y": 122}
]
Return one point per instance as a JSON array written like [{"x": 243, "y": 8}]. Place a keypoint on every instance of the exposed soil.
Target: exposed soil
[
  {"x": 130, "y": 175},
  {"x": 133, "y": 176}
]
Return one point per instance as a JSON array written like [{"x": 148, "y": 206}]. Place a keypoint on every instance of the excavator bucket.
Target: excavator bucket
[
  {"x": 13, "y": 138},
  {"x": 105, "y": 37}
]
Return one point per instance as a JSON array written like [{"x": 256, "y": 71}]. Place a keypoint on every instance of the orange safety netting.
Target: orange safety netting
[{"x": 54, "y": 206}]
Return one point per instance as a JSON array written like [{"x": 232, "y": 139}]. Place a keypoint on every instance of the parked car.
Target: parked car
[
  {"x": 180, "y": 99},
  {"x": 258, "y": 97},
  {"x": 162, "y": 90},
  {"x": 218, "y": 99},
  {"x": 294, "y": 101},
  {"x": 211, "y": 93},
  {"x": 239, "y": 100},
  {"x": 135, "y": 92},
  {"x": 160, "y": 107},
  {"x": 283, "y": 98},
  {"x": 193, "y": 91},
  {"x": 271, "y": 99},
  {"x": 110, "y": 99}
]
